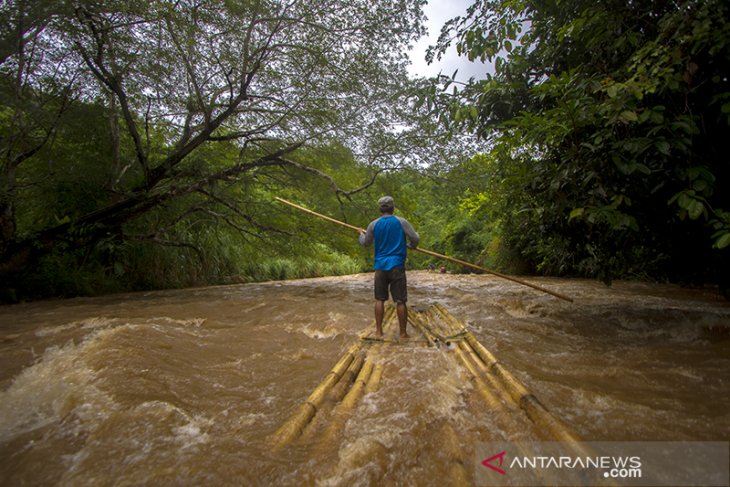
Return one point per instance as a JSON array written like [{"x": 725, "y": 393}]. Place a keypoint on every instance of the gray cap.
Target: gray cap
[{"x": 386, "y": 204}]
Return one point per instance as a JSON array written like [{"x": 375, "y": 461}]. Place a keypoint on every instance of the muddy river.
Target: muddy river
[{"x": 185, "y": 387}]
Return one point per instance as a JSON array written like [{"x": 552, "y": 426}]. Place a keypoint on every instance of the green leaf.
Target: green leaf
[
  {"x": 576, "y": 213},
  {"x": 723, "y": 241},
  {"x": 662, "y": 146},
  {"x": 700, "y": 185},
  {"x": 685, "y": 200},
  {"x": 695, "y": 209},
  {"x": 629, "y": 116}
]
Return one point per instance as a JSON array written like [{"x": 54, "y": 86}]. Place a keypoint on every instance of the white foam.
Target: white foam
[
  {"x": 329, "y": 331},
  {"x": 195, "y": 322},
  {"x": 59, "y": 383},
  {"x": 252, "y": 418},
  {"x": 191, "y": 433},
  {"x": 92, "y": 323}
]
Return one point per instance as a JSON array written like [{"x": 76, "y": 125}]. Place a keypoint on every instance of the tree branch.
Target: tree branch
[
  {"x": 168, "y": 243},
  {"x": 111, "y": 81},
  {"x": 333, "y": 184}
]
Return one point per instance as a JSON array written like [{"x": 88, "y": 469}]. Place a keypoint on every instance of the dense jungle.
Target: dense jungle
[{"x": 142, "y": 143}]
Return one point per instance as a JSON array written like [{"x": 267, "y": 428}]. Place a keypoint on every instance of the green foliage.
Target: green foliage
[
  {"x": 279, "y": 268},
  {"x": 142, "y": 143},
  {"x": 607, "y": 123}
]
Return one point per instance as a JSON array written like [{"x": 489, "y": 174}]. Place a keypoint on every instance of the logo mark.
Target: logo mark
[{"x": 488, "y": 462}]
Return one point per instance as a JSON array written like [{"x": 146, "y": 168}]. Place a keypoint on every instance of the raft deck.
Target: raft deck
[{"x": 356, "y": 373}]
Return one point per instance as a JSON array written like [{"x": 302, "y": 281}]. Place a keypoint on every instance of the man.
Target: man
[{"x": 389, "y": 234}]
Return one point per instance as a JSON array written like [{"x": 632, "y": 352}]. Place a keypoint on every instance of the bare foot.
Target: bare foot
[
  {"x": 405, "y": 335},
  {"x": 378, "y": 334}
]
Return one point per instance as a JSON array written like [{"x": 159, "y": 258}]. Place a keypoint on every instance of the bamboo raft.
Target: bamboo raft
[{"x": 356, "y": 374}]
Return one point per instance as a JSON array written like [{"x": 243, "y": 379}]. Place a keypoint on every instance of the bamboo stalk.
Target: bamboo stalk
[
  {"x": 441, "y": 328},
  {"x": 348, "y": 378},
  {"x": 482, "y": 372},
  {"x": 374, "y": 380},
  {"x": 358, "y": 388},
  {"x": 498, "y": 274},
  {"x": 312, "y": 428},
  {"x": 320, "y": 215},
  {"x": 432, "y": 253},
  {"x": 345, "y": 407},
  {"x": 297, "y": 422},
  {"x": 454, "y": 324},
  {"x": 415, "y": 320},
  {"x": 494, "y": 396},
  {"x": 319, "y": 394},
  {"x": 470, "y": 363},
  {"x": 521, "y": 396},
  {"x": 336, "y": 386},
  {"x": 515, "y": 389},
  {"x": 492, "y": 401}
]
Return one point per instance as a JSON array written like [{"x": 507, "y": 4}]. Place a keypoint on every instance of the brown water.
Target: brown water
[{"x": 183, "y": 387}]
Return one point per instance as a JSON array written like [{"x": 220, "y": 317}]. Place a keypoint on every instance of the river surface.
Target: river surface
[{"x": 185, "y": 387}]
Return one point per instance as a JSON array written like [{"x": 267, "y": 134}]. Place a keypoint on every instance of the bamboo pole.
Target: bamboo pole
[
  {"x": 454, "y": 324},
  {"x": 295, "y": 424},
  {"x": 440, "y": 328},
  {"x": 484, "y": 384},
  {"x": 348, "y": 378},
  {"x": 320, "y": 215},
  {"x": 358, "y": 388},
  {"x": 345, "y": 407},
  {"x": 492, "y": 401},
  {"x": 521, "y": 396},
  {"x": 494, "y": 396},
  {"x": 432, "y": 253},
  {"x": 415, "y": 321},
  {"x": 313, "y": 428},
  {"x": 498, "y": 274},
  {"x": 374, "y": 380},
  {"x": 336, "y": 387},
  {"x": 529, "y": 403}
]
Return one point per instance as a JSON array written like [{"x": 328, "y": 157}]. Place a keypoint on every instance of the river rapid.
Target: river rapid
[{"x": 185, "y": 387}]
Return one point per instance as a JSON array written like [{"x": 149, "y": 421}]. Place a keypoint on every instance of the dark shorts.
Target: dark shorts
[{"x": 395, "y": 280}]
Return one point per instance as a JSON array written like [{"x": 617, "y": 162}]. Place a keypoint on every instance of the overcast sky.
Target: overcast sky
[{"x": 437, "y": 13}]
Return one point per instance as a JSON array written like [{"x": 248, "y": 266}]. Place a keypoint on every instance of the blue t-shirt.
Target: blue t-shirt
[
  {"x": 388, "y": 233},
  {"x": 389, "y": 244}
]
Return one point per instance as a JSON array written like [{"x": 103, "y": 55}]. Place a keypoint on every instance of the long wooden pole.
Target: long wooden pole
[{"x": 432, "y": 253}]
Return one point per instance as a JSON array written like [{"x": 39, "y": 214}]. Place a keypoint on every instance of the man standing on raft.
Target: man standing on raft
[{"x": 389, "y": 233}]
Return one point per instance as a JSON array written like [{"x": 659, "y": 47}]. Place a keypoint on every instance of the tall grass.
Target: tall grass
[
  {"x": 283, "y": 268},
  {"x": 139, "y": 265}
]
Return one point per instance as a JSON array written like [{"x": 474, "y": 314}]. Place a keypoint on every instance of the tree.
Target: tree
[
  {"x": 261, "y": 79},
  {"x": 606, "y": 121}
]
